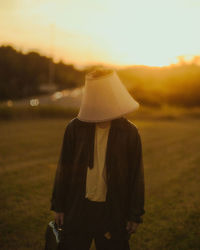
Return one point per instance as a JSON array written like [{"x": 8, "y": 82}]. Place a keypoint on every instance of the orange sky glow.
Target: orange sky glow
[{"x": 123, "y": 32}]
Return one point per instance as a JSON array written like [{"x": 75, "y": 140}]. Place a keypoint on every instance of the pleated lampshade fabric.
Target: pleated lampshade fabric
[{"x": 105, "y": 98}]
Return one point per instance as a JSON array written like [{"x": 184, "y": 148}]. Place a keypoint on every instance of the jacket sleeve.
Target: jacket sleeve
[
  {"x": 59, "y": 188},
  {"x": 136, "y": 185}
]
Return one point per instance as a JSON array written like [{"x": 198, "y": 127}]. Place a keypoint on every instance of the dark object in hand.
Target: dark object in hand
[{"x": 52, "y": 236}]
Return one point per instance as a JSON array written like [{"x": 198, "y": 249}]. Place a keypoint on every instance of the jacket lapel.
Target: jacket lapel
[{"x": 90, "y": 143}]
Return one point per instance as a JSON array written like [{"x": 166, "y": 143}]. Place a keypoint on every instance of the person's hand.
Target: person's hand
[
  {"x": 59, "y": 219},
  {"x": 131, "y": 227}
]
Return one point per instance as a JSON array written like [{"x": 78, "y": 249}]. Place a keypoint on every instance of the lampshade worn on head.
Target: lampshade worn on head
[{"x": 105, "y": 98}]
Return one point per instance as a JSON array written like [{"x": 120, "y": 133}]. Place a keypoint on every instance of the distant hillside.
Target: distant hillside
[{"x": 174, "y": 85}]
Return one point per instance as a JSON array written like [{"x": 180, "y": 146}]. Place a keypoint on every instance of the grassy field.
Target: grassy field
[{"x": 28, "y": 156}]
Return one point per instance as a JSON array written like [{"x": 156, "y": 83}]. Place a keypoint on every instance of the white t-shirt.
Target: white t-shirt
[{"x": 96, "y": 188}]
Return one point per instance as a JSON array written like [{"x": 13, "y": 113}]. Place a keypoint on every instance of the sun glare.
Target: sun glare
[{"x": 153, "y": 33}]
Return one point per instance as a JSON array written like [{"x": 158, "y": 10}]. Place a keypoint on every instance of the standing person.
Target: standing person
[{"x": 99, "y": 185}]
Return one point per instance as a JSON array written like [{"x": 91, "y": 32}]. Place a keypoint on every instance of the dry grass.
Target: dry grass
[{"x": 28, "y": 157}]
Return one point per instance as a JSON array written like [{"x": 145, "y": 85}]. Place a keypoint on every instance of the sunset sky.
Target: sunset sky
[{"x": 148, "y": 32}]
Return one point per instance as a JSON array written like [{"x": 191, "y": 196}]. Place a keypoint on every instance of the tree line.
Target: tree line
[
  {"x": 21, "y": 75},
  {"x": 177, "y": 85}
]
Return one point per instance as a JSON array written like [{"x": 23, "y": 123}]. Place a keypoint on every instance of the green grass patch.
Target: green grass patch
[
  {"x": 28, "y": 112},
  {"x": 29, "y": 151}
]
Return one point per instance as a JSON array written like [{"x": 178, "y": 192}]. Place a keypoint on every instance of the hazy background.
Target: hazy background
[
  {"x": 126, "y": 32},
  {"x": 46, "y": 47}
]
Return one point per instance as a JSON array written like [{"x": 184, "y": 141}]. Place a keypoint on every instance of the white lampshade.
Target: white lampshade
[{"x": 105, "y": 98}]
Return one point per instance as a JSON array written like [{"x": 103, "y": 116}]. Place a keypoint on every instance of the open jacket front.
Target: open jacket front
[{"x": 124, "y": 168}]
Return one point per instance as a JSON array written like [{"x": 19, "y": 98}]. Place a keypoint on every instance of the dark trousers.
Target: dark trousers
[{"x": 94, "y": 224}]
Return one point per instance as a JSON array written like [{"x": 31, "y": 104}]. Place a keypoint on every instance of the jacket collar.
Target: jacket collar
[
  {"x": 90, "y": 126},
  {"x": 117, "y": 122}
]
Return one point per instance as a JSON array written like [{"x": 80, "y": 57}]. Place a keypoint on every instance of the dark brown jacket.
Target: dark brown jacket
[{"x": 124, "y": 167}]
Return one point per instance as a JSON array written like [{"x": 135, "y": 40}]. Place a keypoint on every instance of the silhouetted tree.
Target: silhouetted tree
[{"x": 21, "y": 75}]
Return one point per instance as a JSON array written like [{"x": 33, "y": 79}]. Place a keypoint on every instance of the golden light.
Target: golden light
[
  {"x": 57, "y": 95},
  {"x": 34, "y": 102},
  {"x": 149, "y": 32},
  {"x": 9, "y": 103}
]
